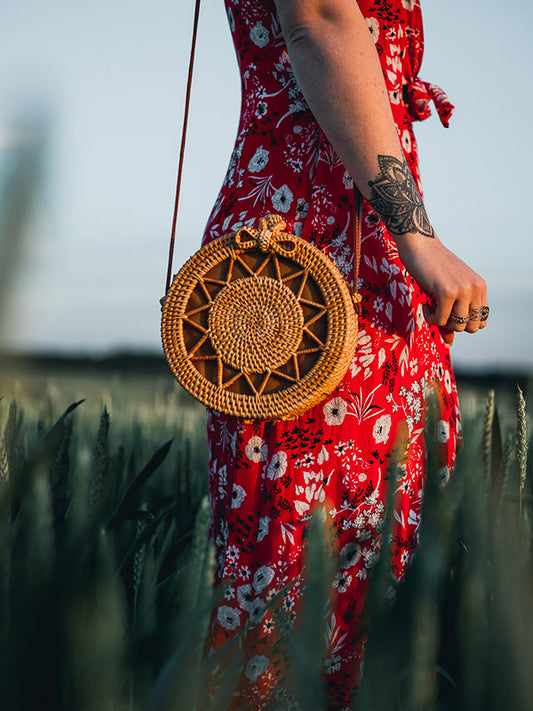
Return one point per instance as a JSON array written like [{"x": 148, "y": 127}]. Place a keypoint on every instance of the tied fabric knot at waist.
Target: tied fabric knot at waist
[{"x": 417, "y": 95}]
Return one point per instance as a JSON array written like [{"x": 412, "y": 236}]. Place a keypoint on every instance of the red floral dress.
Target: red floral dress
[{"x": 267, "y": 478}]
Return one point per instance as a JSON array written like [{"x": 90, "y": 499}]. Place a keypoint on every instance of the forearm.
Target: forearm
[{"x": 337, "y": 67}]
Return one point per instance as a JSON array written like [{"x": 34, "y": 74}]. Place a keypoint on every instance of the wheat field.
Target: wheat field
[{"x": 105, "y": 569}]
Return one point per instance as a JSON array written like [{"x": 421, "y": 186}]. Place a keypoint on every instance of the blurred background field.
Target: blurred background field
[
  {"x": 142, "y": 380},
  {"x": 106, "y": 574}
]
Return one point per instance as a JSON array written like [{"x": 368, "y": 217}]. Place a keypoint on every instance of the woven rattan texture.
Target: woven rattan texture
[
  {"x": 255, "y": 324},
  {"x": 259, "y": 324}
]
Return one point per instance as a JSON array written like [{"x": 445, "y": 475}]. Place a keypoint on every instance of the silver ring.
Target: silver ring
[{"x": 458, "y": 319}]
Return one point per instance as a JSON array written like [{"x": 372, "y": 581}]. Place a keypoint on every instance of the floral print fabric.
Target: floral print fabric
[{"x": 267, "y": 478}]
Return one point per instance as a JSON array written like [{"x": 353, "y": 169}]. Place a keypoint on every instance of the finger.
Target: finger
[
  {"x": 447, "y": 336},
  {"x": 441, "y": 313},
  {"x": 428, "y": 311},
  {"x": 474, "y": 319},
  {"x": 429, "y": 314},
  {"x": 458, "y": 316},
  {"x": 484, "y": 302},
  {"x": 478, "y": 317}
]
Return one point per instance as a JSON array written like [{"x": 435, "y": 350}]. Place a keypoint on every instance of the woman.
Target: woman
[{"x": 330, "y": 89}]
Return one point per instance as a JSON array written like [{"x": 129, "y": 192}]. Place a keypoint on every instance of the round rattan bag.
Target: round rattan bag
[{"x": 259, "y": 324}]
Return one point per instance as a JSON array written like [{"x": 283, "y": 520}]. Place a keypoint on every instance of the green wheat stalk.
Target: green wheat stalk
[
  {"x": 486, "y": 439},
  {"x": 39, "y": 525},
  {"x": 508, "y": 451},
  {"x": 198, "y": 555},
  {"x": 4, "y": 465},
  {"x": 5, "y": 578},
  {"x": 521, "y": 447},
  {"x": 138, "y": 558},
  {"x": 100, "y": 466},
  {"x": 11, "y": 432}
]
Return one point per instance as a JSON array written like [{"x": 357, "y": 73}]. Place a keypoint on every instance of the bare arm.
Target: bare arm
[{"x": 338, "y": 70}]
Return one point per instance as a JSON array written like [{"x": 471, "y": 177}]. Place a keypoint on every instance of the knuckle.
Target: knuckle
[
  {"x": 480, "y": 285},
  {"x": 448, "y": 292}
]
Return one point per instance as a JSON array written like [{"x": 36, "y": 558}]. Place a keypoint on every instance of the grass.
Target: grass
[{"x": 105, "y": 570}]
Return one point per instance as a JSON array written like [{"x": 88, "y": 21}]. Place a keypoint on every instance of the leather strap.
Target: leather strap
[
  {"x": 182, "y": 146},
  {"x": 357, "y": 231},
  {"x": 358, "y": 199}
]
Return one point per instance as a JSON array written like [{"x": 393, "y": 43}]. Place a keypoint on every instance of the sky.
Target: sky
[{"x": 109, "y": 79}]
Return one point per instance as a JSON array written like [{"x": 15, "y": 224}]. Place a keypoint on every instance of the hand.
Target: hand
[{"x": 454, "y": 286}]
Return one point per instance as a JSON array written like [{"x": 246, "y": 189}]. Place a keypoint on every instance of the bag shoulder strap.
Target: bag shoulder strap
[
  {"x": 182, "y": 145},
  {"x": 357, "y": 236}
]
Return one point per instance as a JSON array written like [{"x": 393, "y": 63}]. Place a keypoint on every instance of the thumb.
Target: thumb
[
  {"x": 447, "y": 336},
  {"x": 437, "y": 314},
  {"x": 430, "y": 314},
  {"x": 428, "y": 309}
]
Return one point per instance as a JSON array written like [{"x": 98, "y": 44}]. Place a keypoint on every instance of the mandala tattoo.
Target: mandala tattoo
[{"x": 396, "y": 198}]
